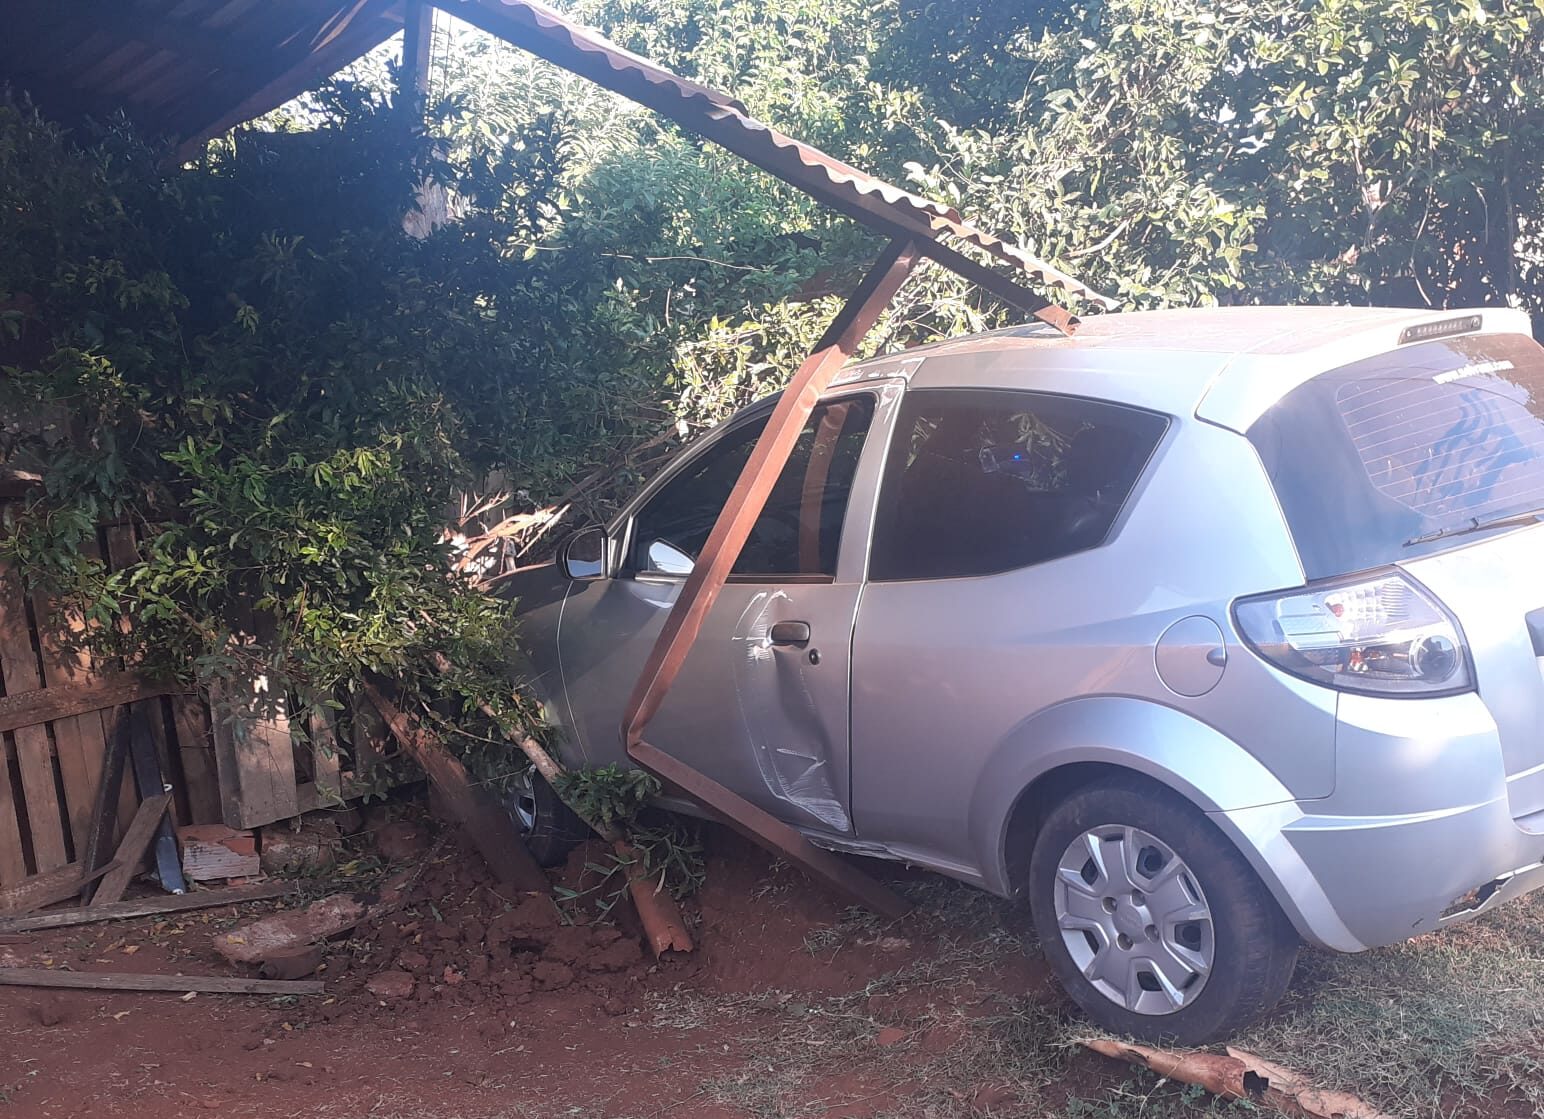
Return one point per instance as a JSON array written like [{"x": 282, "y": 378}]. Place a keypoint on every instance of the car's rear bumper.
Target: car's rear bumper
[{"x": 1351, "y": 883}]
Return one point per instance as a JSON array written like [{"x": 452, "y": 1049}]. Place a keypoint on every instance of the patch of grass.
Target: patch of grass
[
  {"x": 1448, "y": 1026},
  {"x": 1417, "y": 1028},
  {"x": 854, "y": 921}
]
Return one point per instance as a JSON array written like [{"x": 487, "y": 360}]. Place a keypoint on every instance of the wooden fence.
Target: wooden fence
[{"x": 58, "y": 712}]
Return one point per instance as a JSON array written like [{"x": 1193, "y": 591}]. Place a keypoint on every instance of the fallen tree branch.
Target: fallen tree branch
[
  {"x": 541, "y": 522},
  {"x": 657, "y": 910},
  {"x": 485, "y": 822},
  {"x": 1238, "y": 1075}
]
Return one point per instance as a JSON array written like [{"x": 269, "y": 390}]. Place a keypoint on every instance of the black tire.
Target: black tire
[
  {"x": 554, "y": 829},
  {"x": 1255, "y": 946}
]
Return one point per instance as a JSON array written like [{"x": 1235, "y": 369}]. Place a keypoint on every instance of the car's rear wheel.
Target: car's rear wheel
[
  {"x": 550, "y": 827},
  {"x": 1153, "y": 922}
]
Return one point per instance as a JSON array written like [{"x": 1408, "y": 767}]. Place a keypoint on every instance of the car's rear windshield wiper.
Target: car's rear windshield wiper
[{"x": 1474, "y": 524}]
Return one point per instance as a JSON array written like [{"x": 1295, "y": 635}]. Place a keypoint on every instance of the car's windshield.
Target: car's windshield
[{"x": 1395, "y": 455}]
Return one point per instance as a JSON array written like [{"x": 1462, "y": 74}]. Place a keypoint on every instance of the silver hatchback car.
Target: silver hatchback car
[{"x": 1210, "y": 632}]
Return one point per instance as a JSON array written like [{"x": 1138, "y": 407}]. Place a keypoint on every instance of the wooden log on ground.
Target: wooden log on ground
[
  {"x": 120, "y": 981},
  {"x": 292, "y": 929},
  {"x": 146, "y": 907},
  {"x": 657, "y": 911},
  {"x": 1240, "y": 1075},
  {"x": 487, "y": 824}
]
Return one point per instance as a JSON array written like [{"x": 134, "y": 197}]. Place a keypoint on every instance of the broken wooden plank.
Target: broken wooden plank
[
  {"x": 44, "y": 705},
  {"x": 13, "y": 865},
  {"x": 120, "y": 981},
  {"x": 79, "y": 740},
  {"x": 122, "y": 557},
  {"x": 199, "y": 779},
  {"x": 326, "y": 788},
  {"x": 136, "y": 841},
  {"x": 104, "y": 812},
  {"x": 45, "y": 889},
  {"x": 146, "y": 907},
  {"x": 254, "y": 757},
  {"x": 104, "y": 809}
]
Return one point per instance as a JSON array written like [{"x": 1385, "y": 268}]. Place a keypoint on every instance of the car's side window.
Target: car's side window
[
  {"x": 799, "y": 531},
  {"x": 982, "y": 481}
]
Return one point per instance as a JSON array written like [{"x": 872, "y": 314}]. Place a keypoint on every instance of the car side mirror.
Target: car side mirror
[{"x": 583, "y": 554}]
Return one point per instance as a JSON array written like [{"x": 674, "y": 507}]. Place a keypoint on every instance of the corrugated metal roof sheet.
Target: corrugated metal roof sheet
[{"x": 182, "y": 68}]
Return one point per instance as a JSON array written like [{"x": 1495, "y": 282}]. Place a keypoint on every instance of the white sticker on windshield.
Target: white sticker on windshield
[{"x": 1474, "y": 369}]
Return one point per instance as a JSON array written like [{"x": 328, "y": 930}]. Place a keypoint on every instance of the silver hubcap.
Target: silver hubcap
[
  {"x": 523, "y": 802},
  {"x": 1134, "y": 919}
]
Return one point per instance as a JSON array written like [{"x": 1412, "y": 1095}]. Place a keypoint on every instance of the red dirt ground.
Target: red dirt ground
[{"x": 486, "y": 1003}]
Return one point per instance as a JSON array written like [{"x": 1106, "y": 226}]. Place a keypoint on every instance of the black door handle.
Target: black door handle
[{"x": 790, "y": 633}]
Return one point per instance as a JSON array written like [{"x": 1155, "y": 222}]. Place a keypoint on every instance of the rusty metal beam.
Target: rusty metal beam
[
  {"x": 771, "y": 453},
  {"x": 1009, "y": 291}
]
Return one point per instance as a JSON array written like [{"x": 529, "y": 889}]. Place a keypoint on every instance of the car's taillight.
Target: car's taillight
[{"x": 1383, "y": 633}]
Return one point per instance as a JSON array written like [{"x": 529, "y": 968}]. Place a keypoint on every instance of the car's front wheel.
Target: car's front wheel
[
  {"x": 1151, "y": 919},
  {"x": 551, "y": 829}
]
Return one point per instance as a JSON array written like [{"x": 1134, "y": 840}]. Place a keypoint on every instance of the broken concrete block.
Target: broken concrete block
[{"x": 214, "y": 851}]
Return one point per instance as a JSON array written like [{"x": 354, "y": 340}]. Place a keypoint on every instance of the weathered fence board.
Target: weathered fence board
[
  {"x": 79, "y": 739},
  {"x": 34, "y": 752},
  {"x": 58, "y": 711}
]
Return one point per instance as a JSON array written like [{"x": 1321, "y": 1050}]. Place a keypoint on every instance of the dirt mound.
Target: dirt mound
[{"x": 460, "y": 938}]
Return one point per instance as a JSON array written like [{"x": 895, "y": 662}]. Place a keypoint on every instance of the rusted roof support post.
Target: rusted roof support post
[{"x": 840, "y": 341}]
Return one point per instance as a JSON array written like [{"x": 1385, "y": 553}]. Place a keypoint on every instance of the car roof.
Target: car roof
[{"x": 1223, "y": 364}]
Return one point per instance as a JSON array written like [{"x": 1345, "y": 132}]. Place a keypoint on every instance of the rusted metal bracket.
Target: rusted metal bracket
[{"x": 840, "y": 341}]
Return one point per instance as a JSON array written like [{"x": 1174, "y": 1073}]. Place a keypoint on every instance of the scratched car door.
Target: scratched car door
[{"x": 761, "y": 703}]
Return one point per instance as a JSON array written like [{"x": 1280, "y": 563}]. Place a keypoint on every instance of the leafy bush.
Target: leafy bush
[{"x": 281, "y": 401}]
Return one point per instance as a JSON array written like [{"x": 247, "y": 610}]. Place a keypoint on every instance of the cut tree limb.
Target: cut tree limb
[
  {"x": 145, "y": 907},
  {"x": 487, "y": 824},
  {"x": 1237, "y": 1075},
  {"x": 118, "y": 981},
  {"x": 657, "y": 910},
  {"x": 281, "y": 933}
]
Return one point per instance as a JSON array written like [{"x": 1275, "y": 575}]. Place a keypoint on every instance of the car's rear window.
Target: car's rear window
[{"x": 1369, "y": 459}]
